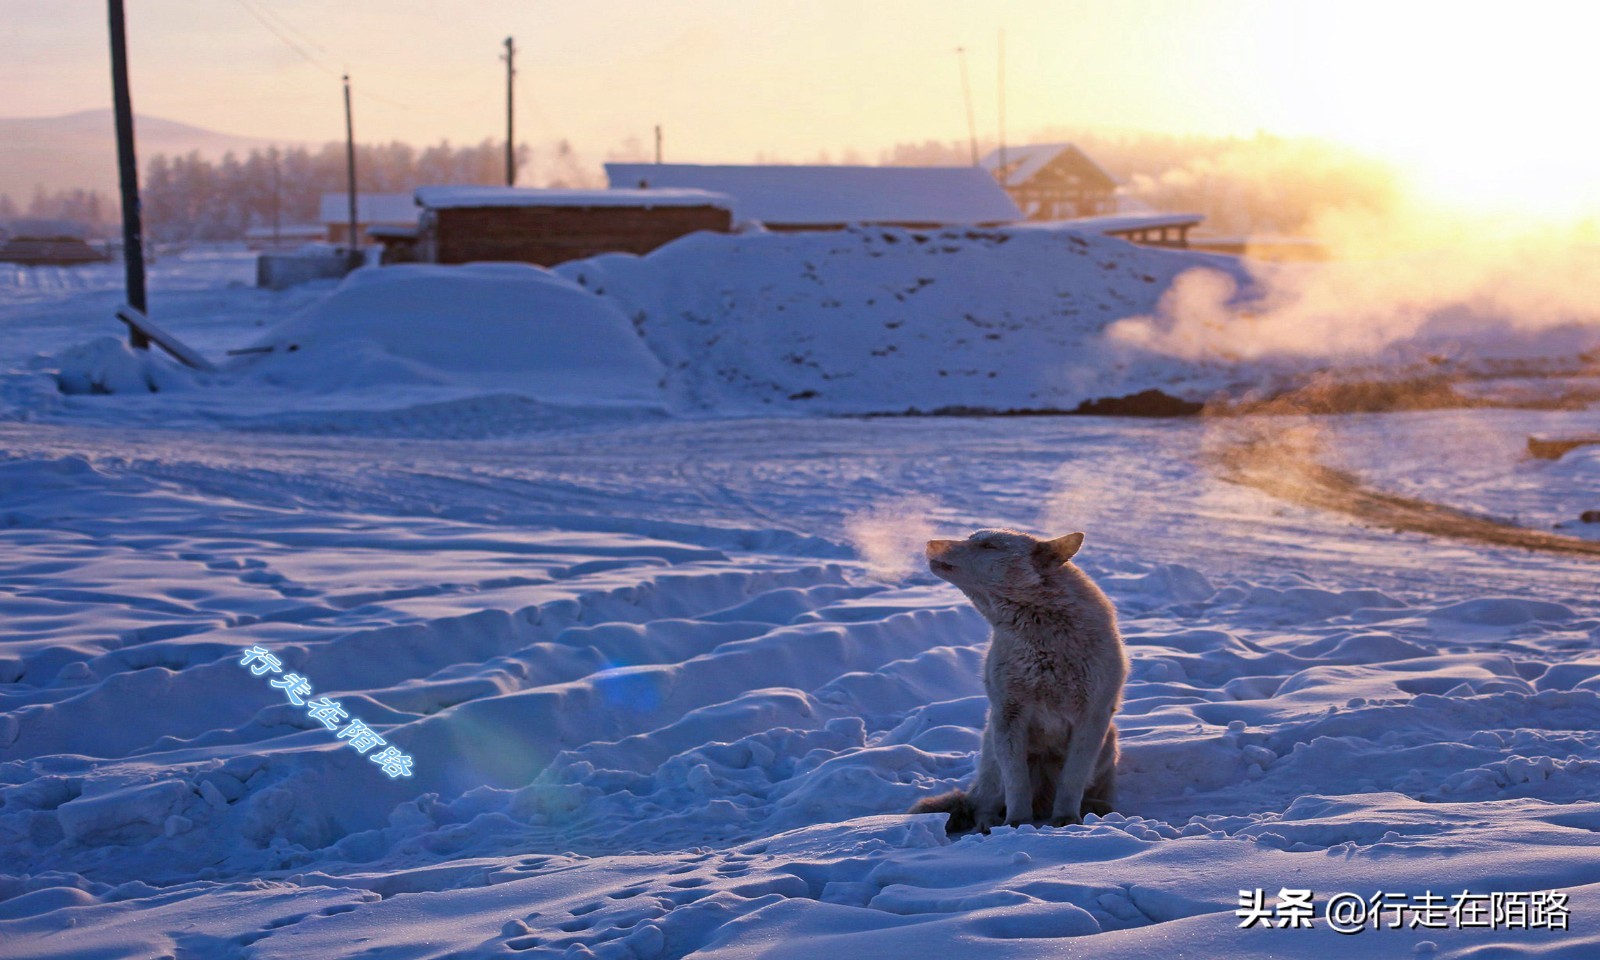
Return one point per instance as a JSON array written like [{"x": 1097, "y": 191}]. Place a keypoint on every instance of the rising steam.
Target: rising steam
[
  {"x": 891, "y": 536},
  {"x": 1409, "y": 285}
]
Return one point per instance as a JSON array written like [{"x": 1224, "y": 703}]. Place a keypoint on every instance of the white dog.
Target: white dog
[{"x": 1054, "y": 676}]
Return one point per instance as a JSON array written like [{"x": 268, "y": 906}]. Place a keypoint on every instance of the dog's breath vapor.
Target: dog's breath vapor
[{"x": 890, "y": 536}]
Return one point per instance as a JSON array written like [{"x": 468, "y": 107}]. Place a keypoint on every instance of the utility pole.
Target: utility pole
[
  {"x": 128, "y": 170},
  {"x": 1000, "y": 171},
  {"x": 352, "y": 241},
  {"x": 658, "y": 144},
  {"x": 511, "y": 150},
  {"x": 277, "y": 194},
  {"x": 966, "y": 93}
]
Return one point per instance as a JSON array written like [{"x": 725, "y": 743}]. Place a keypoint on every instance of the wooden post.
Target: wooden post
[
  {"x": 352, "y": 242},
  {"x": 511, "y": 150},
  {"x": 277, "y": 203},
  {"x": 966, "y": 93},
  {"x": 128, "y": 170},
  {"x": 1000, "y": 169}
]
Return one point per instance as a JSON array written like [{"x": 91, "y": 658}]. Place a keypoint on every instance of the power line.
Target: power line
[
  {"x": 282, "y": 29},
  {"x": 438, "y": 109},
  {"x": 365, "y": 67},
  {"x": 285, "y": 24},
  {"x": 261, "y": 19}
]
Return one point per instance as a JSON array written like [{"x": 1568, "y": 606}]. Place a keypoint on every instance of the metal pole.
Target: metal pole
[
  {"x": 352, "y": 242},
  {"x": 511, "y": 72},
  {"x": 277, "y": 203},
  {"x": 1000, "y": 170},
  {"x": 966, "y": 93},
  {"x": 128, "y": 169}
]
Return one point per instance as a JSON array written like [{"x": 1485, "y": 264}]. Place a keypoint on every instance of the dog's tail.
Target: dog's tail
[{"x": 956, "y": 803}]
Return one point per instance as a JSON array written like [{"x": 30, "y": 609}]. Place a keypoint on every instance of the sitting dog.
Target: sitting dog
[{"x": 1054, "y": 676}]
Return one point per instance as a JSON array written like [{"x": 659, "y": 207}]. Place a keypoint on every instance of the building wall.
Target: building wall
[
  {"x": 338, "y": 232},
  {"x": 552, "y": 235}
]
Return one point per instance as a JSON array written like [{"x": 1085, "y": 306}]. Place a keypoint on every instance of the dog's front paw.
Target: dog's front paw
[
  {"x": 1066, "y": 820},
  {"x": 1096, "y": 806},
  {"x": 984, "y": 820}
]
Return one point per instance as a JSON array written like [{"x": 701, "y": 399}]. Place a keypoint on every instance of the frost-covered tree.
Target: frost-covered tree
[{"x": 192, "y": 198}]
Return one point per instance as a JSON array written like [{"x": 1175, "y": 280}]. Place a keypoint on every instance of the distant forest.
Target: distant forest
[{"x": 1260, "y": 184}]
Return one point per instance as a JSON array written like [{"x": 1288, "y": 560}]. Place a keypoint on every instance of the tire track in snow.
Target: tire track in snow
[{"x": 1290, "y": 472}]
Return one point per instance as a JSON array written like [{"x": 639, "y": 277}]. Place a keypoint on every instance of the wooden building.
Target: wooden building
[
  {"x": 547, "y": 227},
  {"x": 801, "y": 197},
  {"x": 287, "y": 236},
  {"x": 1053, "y": 181},
  {"x": 372, "y": 210},
  {"x": 60, "y": 243}
]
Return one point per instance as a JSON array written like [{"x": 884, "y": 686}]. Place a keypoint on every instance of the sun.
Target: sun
[{"x": 1488, "y": 107}]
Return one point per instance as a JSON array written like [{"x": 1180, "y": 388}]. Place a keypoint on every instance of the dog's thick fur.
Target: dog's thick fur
[{"x": 1054, "y": 676}]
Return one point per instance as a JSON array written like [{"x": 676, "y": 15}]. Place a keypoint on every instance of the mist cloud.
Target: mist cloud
[
  {"x": 1408, "y": 284},
  {"x": 891, "y": 537}
]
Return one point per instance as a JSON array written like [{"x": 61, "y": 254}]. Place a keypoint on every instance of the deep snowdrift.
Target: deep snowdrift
[
  {"x": 852, "y": 321},
  {"x": 871, "y": 320},
  {"x": 843, "y": 322},
  {"x": 488, "y": 327}
]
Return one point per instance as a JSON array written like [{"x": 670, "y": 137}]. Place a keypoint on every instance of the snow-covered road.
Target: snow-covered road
[{"x": 667, "y": 628}]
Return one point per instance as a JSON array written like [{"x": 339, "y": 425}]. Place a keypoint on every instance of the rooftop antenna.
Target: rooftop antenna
[
  {"x": 1000, "y": 171},
  {"x": 966, "y": 93}
]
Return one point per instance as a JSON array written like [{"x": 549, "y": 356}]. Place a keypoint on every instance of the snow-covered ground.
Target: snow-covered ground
[
  {"x": 1475, "y": 460},
  {"x": 668, "y": 683}
]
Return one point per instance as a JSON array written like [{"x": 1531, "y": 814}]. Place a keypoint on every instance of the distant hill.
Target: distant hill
[{"x": 79, "y": 150}]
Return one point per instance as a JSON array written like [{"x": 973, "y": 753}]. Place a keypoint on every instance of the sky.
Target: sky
[{"x": 1482, "y": 95}]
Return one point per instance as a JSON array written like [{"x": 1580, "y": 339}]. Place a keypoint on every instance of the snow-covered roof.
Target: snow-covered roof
[
  {"x": 1124, "y": 222},
  {"x": 1024, "y": 163},
  {"x": 40, "y": 228},
  {"x": 294, "y": 230},
  {"x": 824, "y": 195},
  {"x": 439, "y": 198},
  {"x": 397, "y": 208}
]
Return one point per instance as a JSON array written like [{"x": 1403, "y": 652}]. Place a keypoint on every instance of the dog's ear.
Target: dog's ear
[{"x": 1053, "y": 553}]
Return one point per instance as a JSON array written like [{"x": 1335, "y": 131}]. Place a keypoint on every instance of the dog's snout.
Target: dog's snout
[{"x": 938, "y": 548}]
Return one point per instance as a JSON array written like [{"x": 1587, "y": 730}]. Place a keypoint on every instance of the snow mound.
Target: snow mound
[
  {"x": 872, "y": 320},
  {"x": 109, "y": 365},
  {"x": 512, "y": 328}
]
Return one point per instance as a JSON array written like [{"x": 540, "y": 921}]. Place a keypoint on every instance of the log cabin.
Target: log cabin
[
  {"x": 546, "y": 227},
  {"x": 1053, "y": 181}
]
